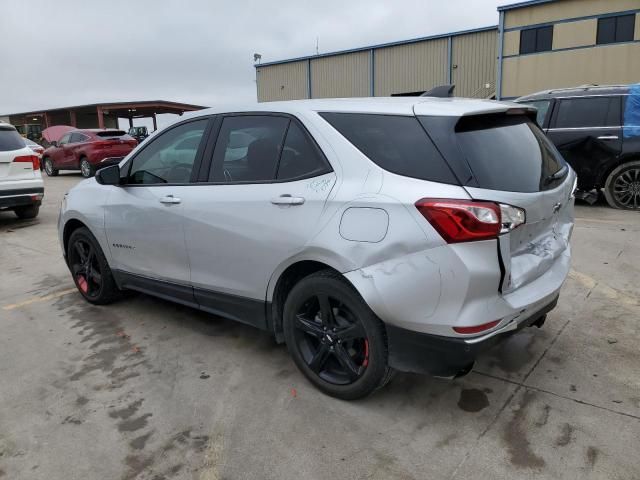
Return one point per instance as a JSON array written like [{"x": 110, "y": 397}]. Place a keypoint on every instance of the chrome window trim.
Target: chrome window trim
[{"x": 570, "y": 129}]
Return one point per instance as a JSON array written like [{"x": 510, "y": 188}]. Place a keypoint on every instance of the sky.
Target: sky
[{"x": 72, "y": 52}]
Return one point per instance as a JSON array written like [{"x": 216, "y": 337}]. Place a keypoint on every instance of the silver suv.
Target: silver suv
[{"x": 370, "y": 235}]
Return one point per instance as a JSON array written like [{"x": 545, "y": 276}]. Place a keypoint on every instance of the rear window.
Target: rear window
[
  {"x": 111, "y": 133},
  {"x": 509, "y": 153},
  {"x": 397, "y": 144},
  {"x": 10, "y": 139}
]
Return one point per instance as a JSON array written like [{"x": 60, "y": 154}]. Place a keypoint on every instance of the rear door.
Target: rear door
[
  {"x": 588, "y": 133},
  {"x": 258, "y": 206},
  {"x": 507, "y": 159}
]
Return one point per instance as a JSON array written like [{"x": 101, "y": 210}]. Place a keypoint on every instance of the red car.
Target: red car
[{"x": 87, "y": 150}]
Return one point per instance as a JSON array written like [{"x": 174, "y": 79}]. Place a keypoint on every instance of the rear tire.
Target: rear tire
[
  {"x": 89, "y": 268},
  {"x": 48, "y": 168},
  {"x": 86, "y": 169},
  {"x": 622, "y": 188},
  {"x": 27, "y": 212},
  {"x": 335, "y": 339}
]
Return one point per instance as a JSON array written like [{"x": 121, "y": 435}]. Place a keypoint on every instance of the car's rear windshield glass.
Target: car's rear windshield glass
[
  {"x": 10, "y": 140},
  {"x": 398, "y": 144},
  {"x": 111, "y": 133},
  {"x": 510, "y": 153}
]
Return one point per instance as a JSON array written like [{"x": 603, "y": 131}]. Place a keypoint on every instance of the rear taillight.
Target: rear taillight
[
  {"x": 33, "y": 159},
  {"x": 466, "y": 220}
]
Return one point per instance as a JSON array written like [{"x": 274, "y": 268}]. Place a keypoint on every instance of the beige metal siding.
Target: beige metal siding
[
  {"x": 637, "y": 37},
  {"x": 564, "y": 9},
  {"x": 285, "y": 81},
  {"x": 474, "y": 60},
  {"x": 511, "y": 43},
  {"x": 611, "y": 64},
  {"x": 411, "y": 68},
  {"x": 340, "y": 76},
  {"x": 575, "y": 34}
]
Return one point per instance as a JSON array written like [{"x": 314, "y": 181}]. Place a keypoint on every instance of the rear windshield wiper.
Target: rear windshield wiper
[{"x": 557, "y": 176}]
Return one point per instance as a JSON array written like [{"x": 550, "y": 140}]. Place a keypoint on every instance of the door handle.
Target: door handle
[
  {"x": 170, "y": 199},
  {"x": 287, "y": 200},
  {"x": 608, "y": 137}
]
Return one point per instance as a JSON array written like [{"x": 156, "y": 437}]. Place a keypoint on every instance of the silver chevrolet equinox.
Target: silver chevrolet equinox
[{"x": 370, "y": 235}]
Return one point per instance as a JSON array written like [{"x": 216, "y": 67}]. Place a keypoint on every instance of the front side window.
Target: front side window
[
  {"x": 534, "y": 40},
  {"x": 616, "y": 29},
  {"x": 170, "y": 157},
  {"x": 64, "y": 140},
  {"x": 77, "y": 138},
  {"x": 588, "y": 112}
]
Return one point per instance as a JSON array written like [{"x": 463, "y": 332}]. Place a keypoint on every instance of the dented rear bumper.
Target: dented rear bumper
[{"x": 442, "y": 356}]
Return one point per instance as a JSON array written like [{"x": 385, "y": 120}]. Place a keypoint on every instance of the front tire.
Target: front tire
[
  {"x": 622, "y": 188},
  {"x": 89, "y": 268},
  {"x": 335, "y": 339},
  {"x": 27, "y": 212},
  {"x": 86, "y": 169},
  {"x": 48, "y": 168}
]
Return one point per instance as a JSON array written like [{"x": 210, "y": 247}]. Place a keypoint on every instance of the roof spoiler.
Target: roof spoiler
[{"x": 441, "y": 91}]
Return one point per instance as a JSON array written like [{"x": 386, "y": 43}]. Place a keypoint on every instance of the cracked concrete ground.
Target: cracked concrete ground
[{"x": 145, "y": 389}]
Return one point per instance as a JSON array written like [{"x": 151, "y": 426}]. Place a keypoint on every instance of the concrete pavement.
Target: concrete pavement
[{"x": 145, "y": 389}]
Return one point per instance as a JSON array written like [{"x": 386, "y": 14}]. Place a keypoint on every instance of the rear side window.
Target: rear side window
[
  {"x": 248, "y": 149},
  {"x": 10, "y": 139},
  {"x": 397, "y": 144},
  {"x": 508, "y": 153},
  {"x": 300, "y": 157},
  {"x": 588, "y": 112}
]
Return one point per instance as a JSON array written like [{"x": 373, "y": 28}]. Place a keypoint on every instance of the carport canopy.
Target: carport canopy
[{"x": 100, "y": 115}]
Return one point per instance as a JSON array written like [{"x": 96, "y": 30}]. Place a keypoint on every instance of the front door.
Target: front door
[
  {"x": 267, "y": 188},
  {"x": 144, "y": 217},
  {"x": 588, "y": 133}
]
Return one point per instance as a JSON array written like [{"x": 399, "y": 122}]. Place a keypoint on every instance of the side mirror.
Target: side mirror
[{"x": 108, "y": 175}]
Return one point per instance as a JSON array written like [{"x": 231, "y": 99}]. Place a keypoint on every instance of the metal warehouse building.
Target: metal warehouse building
[{"x": 537, "y": 45}]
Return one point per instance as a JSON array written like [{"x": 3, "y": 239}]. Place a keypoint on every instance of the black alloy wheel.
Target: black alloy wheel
[
  {"x": 89, "y": 268},
  {"x": 334, "y": 338},
  {"x": 85, "y": 268},
  {"x": 331, "y": 339}
]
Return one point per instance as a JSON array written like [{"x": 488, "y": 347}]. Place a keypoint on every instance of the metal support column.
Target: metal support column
[
  {"x": 100, "y": 118},
  {"x": 372, "y": 73},
  {"x": 155, "y": 124},
  {"x": 309, "y": 92},
  {"x": 450, "y": 59},
  {"x": 500, "y": 51}
]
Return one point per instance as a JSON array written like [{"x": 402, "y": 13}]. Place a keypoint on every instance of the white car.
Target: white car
[
  {"x": 368, "y": 234},
  {"x": 21, "y": 185}
]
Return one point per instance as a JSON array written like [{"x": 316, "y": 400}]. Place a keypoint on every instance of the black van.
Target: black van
[{"x": 597, "y": 130}]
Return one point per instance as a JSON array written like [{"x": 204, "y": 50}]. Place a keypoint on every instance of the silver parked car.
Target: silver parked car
[{"x": 370, "y": 235}]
